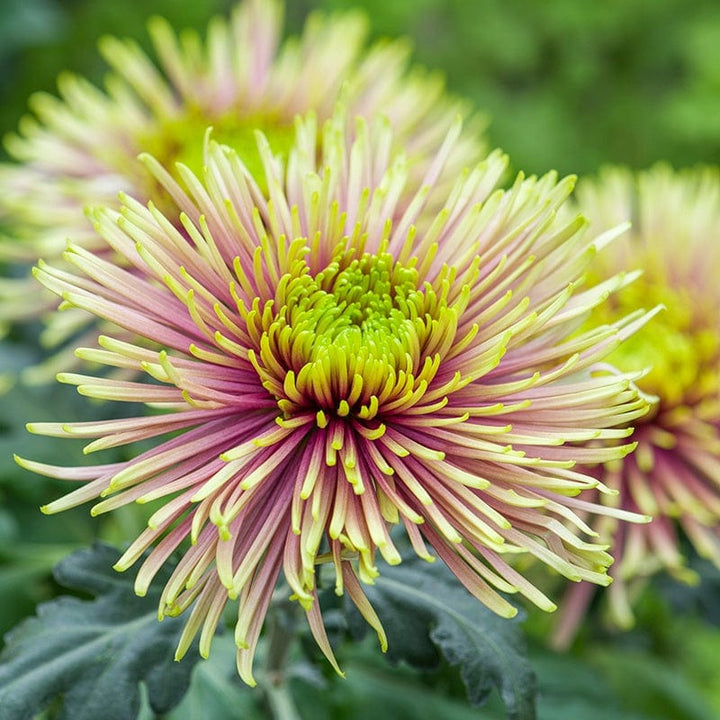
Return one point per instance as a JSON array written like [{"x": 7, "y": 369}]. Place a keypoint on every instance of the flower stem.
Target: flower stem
[
  {"x": 281, "y": 635},
  {"x": 282, "y": 704}
]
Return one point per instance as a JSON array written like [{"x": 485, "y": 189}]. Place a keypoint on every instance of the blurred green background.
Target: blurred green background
[{"x": 569, "y": 84}]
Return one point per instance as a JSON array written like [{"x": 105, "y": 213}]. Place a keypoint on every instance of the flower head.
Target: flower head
[
  {"x": 328, "y": 373},
  {"x": 81, "y": 148},
  {"x": 674, "y": 475}
]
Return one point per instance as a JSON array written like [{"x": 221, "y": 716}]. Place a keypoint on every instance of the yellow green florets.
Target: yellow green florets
[
  {"x": 358, "y": 333},
  {"x": 181, "y": 139},
  {"x": 678, "y": 350}
]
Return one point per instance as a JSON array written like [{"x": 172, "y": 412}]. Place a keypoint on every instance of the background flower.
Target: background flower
[
  {"x": 327, "y": 373},
  {"x": 674, "y": 475},
  {"x": 81, "y": 148}
]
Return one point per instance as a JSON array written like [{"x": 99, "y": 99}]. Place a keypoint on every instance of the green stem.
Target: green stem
[
  {"x": 281, "y": 635},
  {"x": 282, "y": 704}
]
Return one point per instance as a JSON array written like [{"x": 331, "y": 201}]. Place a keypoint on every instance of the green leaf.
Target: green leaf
[
  {"x": 93, "y": 654},
  {"x": 216, "y": 691},
  {"x": 570, "y": 689},
  {"x": 650, "y": 684},
  {"x": 372, "y": 689},
  {"x": 426, "y": 611}
]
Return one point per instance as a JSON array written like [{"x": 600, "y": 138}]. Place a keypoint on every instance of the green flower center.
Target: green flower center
[
  {"x": 182, "y": 139},
  {"x": 365, "y": 308},
  {"x": 678, "y": 344},
  {"x": 358, "y": 336}
]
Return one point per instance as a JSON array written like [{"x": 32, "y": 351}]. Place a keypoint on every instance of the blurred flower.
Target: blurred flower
[
  {"x": 327, "y": 374},
  {"x": 674, "y": 475},
  {"x": 81, "y": 149}
]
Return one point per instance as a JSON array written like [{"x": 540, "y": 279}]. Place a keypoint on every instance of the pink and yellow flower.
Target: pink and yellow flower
[
  {"x": 674, "y": 475},
  {"x": 330, "y": 361},
  {"x": 81, "y": 148}
]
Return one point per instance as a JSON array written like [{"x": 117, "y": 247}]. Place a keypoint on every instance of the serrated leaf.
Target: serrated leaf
[
  {"x": 93, "y": 654},
  {"x": 427, "y": 612},
  {"x": 371, "y": 690}
]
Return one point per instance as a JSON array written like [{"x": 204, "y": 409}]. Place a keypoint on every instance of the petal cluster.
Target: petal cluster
[
  {"x": 674, "y": 475},
  {"x": 329, "y": 361},
  {"x": 80, "y": 148}
]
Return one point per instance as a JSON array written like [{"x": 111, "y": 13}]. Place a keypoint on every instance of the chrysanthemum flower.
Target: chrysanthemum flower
[
  {"x": 327, "y": 374},
  {"x": 674, "y": 475},
  {"x": 81, "y": 148}
]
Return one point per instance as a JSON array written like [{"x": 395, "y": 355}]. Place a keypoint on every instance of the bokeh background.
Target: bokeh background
[{"x": 567, "y": 85}]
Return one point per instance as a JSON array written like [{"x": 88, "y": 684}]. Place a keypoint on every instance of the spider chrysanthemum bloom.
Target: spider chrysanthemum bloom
[
  {"x": 674, "y": 475},
  {"x": 81, "y": 148},
  {"x": 328, "y": 374}
]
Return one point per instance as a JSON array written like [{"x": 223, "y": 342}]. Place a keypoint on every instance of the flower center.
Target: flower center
[
  {"x": 678, "y": 343},
  {"x": 182, "y": 140},
  {"x": 361, "y": 309},
  {"x": 356, "y": 338}
]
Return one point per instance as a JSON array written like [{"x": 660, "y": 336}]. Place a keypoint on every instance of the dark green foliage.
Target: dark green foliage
[
  {"x": 651, "y": 685},
  {"x": 32, "y": 543},
  {"x": 427, "y": 613},
  {"x": 93, "y": 653},
  {"x": 375, "y": 689},
  {"x": 215, "y": 689},
  {"x": 702, "y": 598}
]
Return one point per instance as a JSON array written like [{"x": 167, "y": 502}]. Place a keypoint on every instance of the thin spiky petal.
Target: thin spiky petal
[
  {"x": 674, "y": 474},
  {"x": 333, "y": 363}
]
